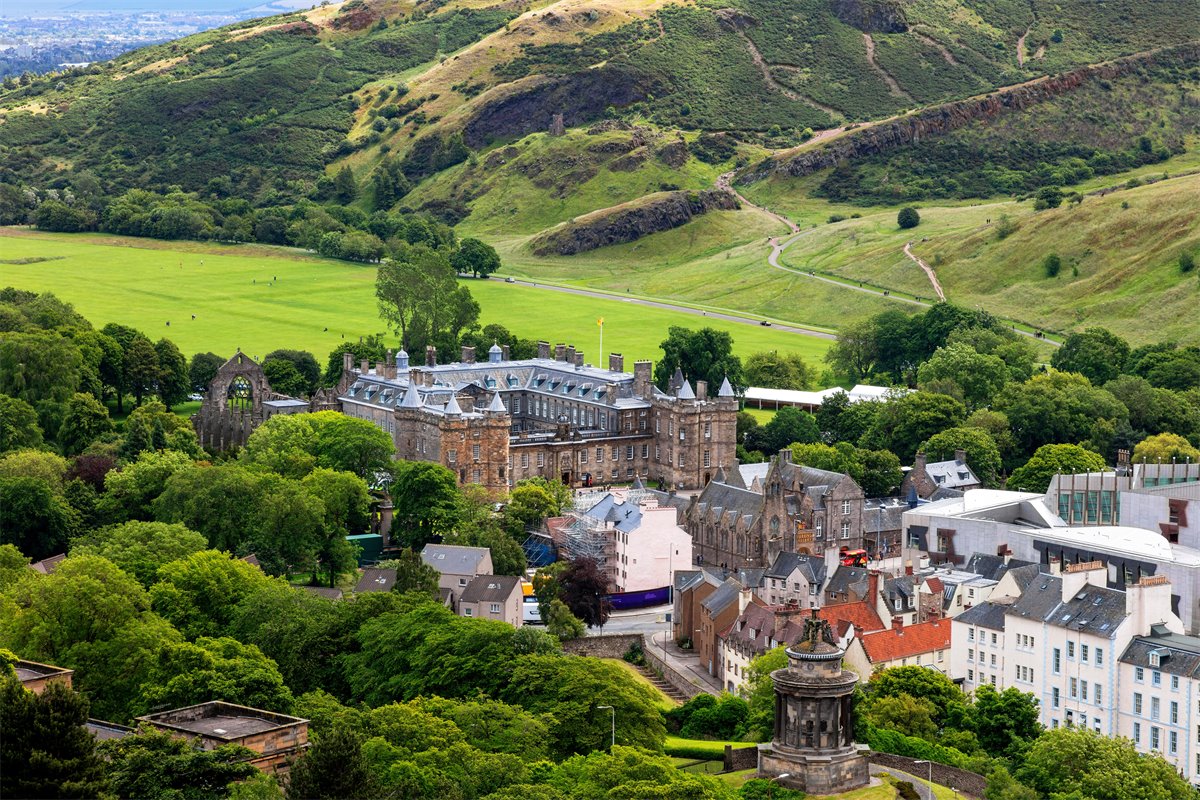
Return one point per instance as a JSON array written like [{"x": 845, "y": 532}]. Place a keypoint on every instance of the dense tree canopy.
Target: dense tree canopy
[{"x": 703, "y": 355}]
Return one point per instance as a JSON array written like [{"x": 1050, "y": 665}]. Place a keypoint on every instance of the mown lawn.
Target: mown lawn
[{"x": 261, "y": 298}]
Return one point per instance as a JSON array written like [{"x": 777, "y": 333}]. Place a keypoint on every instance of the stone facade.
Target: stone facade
[
  {"x": 238, "y": 400},
  {"x": 275, "y": 739},
  {"x": 799, "y": 510},
  {"x": 36, "y": 677},
  {"x": 813, "y": 748}
]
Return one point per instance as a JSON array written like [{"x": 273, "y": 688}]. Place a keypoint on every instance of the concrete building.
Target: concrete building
[
  {"x": 635, "y": 541},
  {"x": 1022, "y": 526},
  {"x": 276, "y": 739},
  {"x": 497, "y": 597},
  {"x": 36, "y": 677},
  {"x": 1157, "y": 497},
  {"x": 457, "y": 566}
]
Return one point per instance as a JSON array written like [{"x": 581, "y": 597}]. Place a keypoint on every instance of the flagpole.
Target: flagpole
[{"x": 600, "y": 322}]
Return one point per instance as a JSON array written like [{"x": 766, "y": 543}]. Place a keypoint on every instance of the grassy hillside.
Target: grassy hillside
[{"x": 262, "y": 298}]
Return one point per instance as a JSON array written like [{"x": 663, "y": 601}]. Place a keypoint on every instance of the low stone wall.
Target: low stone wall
[
  {"x": 686, "y": 686},
  {"x": 607, "y": 646},
  {"x": 968, "y": 784},
  {"x": 737, "y": 758}
]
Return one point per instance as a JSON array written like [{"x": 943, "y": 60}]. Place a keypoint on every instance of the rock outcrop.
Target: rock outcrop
[
  {"x": 940, "y": 120},
  {"x": 871, "y": 16},
  {"x": 625, "y": 223}
]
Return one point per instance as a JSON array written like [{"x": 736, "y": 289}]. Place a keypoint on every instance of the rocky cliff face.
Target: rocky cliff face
[
  {"x": 659, "y": 212},
  {"x": 940, "y": 120},
  {"x": 871, "y": 16}
]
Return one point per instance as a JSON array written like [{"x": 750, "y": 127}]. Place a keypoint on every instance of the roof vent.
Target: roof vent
[{"x": 219, "y": 730}]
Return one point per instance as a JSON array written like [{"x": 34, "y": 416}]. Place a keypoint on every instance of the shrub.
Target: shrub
[
  {"x": 634, "y": 655},
  {"x": 1187, "y": 262},
  {"x": 1048, "y": 197},
  {"x": 908, "y": 218},
  {"x": 906, "y": 791},
  {"x": 1006, "y": 226},
  {"x": 836, "y": 218},
  {"x": 1052, "y": 265}
]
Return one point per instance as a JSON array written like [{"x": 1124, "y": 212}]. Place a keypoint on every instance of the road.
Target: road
[
  {"x": 637, "y": 301},
  {"x": 645, "y": 620}
]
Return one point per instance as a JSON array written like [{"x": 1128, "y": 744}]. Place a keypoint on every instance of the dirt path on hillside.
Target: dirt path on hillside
[
  {"x": 883, "y": 73},
  {"x": 937, "y": 287},
  {"x": 1021, "y": 46},
  {"x": 936, "y": 45},
  {"x": 775, "y": 85},
  {"x": 723, "y": 182}
]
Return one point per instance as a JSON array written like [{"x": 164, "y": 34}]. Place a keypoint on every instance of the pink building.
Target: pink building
[{"x": 634, "y": 539}]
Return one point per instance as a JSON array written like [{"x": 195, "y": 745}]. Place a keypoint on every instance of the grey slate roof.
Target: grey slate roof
[
  {"x": 490, "y": 589},
  {"x": 375, "y": 579},
  {"x": 453, "y": 559},
  {"x": 686, "y": 578},
  {"x": 729, "y": 501},
  {"x": 986, "y": 565},
  {"x": 720, "y": 599},
  {"x": 945, "y": 493},
  {"x": 748, "y": 472},
  {"x": 951, "y": 474},
  {"x": 325, "y": 591},
  {"x": 623, "y": 515},
  {"x": 785, "y": 564},
  {"x": 984, "y": 615},
  {"x": 1094, "y": 609},
  {"x": 1178, "y": 654},
  {"x": 847, "y": 579}
]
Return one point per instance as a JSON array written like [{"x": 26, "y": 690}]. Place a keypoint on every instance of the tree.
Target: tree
[
  {"x": 202, "y": 369},
  {"x": 959, "y": 370},
  {"x": 388, "y": 180},
  {"x": 141, "y": 368},
  {"x": 1051, "y": 460},
  {"x": 333, "y": 769},
  {"x": 1005, "y": 722},
  {"x": 1052, "y": 265},
  {"x": 496, "y": 727},
  {"x": 585, "y": 590},
  {"x": 289, "y": 529},
  {"x": 155, "y": 764},
  {"x": 774, "y": 370},
  {"x": 475, "y": 257},
  {"x": 908, "y": 218},
  {"x": 187, "y": 673},
  {"x": 903, "y": 713},
  {"x": 1165, "y": 448},
  {"x": 348, "y": 444},
  {"x": 140, "y": 548},
  {"x": 426, "y": 502},
  {"x": 1097, "y": 354},
  {"x": 285, "y": 444},
  {"x": 46, "y": 750},
  {"x": 1055, "y": 407},
  {"x": 200, "y": 594},
  {"x": 412, "y": 573},
  {"x": 528, "y": 506},
  {"x": 154, "y": 427},
  {"x": 843, "y": 421},
  {"x": 38, "y": 464},
  {"x": 221, "y": 502},
  {"x": 1048, "y": 197},
  {"x": 569, "y": 689},
  {"x": 1076, "y": 762},
  {"x": 18, "y": 425},
  {"x": 304, "y": 362},
  {"x": 881, "y": 472},
  {"x": 345, "y": 189},
  {"x": 561, "y": 623},
  {"x": 371, "y": 348},
  {"x": 34, "y": 517},
  {"x": 130, "y": 491},
  {"x": 285, "y": 378},
  {"x": 1187, "y": 262},
  {"x": 919, "y": 683},
  {"x": 174, "y": 383},
  {"x": 705, "y": 355},
  {"x": 346, "y": 501},
  {"x": 982, "y": 454},
  {"x": 85, "y": 422},
  {"x": 419, "y": 297},
  {"x": 904, "y": 422},
  {"x": 789, "y": 426}
]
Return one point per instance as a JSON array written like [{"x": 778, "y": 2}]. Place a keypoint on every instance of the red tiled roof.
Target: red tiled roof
[
  {"x": 935, "y": 585},
  {"x": 861, "y": 615},
  {"x": 908, "y": 641}
]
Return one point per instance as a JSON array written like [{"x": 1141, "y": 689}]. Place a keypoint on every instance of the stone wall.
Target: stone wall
[
  {"x": 738, "y": 758},
  {"x": 968, "y": 784},
  {"x": 688, "y": 687},
  {"x": 613, "y": 645}
]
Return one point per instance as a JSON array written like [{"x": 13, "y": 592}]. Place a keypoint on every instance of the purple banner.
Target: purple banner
[{"x": 624, "y": 601}]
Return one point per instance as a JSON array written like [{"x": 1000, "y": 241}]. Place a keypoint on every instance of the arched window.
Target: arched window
[
  {"x": 241, "y": 394},
  {"x": 774, "y": 527}
]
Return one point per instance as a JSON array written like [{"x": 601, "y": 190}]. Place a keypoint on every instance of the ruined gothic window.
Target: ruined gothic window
[
  {"x": 241, "y": 394},
  {"x": 774, "y": 527}
]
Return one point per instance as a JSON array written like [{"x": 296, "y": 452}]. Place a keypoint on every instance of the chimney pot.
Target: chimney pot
[
  {"x": 430, "y": 356},
  {"x": 898, "y": 625},
  {"x": 560, "y": 352},
  {"x": 960, "y": 456},
  {"x": 578, "y": 358}
]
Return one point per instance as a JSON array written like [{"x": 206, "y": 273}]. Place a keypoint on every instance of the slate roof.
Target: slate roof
[
  {"x": 104, "y": 731},
  {"x": 686, "y": 578},
  {"x": 729, "y": 502},
  {"x": 907, "y": 641},
  {"x": 48, "y": 565},
  {"x": 749, "y": 472},
  {"x": 324, "y": 591},
  {"x": 986, "y": 565},
  {"x": 375, "y": 579},
  {"x": 721, "y": 597},
  {"x": 623, "y": 515},
  {"x": 984, "y": 615},
  {"x": 785, "y": 564},
  {"x": 847, "y": 579},
  {"x": 490, "y": 589},
  {"x": 951, "y": 474},
  {"x": 452, "y": 559},
  {"x": 945, "y": 493},
  {"x": 901, "y": 588},
  {"x": 1178, "y": 654},
  {"x": 1096, "y": 610}
]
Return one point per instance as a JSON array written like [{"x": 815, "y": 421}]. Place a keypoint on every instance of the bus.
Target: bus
[
  {"x": 530, "y": 614},
  {"x": 853, "y": 558}
]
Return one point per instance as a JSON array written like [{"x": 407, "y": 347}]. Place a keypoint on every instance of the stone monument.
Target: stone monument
[{"x": 813, "y": 745}]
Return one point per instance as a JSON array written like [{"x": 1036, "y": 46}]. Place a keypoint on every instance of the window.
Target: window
[
  {"x": 452, "y": 456},
  {"x": 645, "y": 451},
  {"x": 495, "y": 609},
  {"x": 682, "y": 435},
  {"x": 845, "y": 506},
  {"x": 993, "y": 659},
  {"x": 1097, "y": 693},
  {"x": 970, "y": 655},
  {"x": 1054, "y": 697},
  {"x": 971, "y": 679},
  {"x": 629, "y": 452},
  {"x": 1070, "y": 649},
  {"x": 1099, "y": 656},
  {"x": 477, "y": 476},
  {"x": 1154, "y": 708},
  {"x": 1082, "y": 690},
  {"x": 475, "y": 452},
  {"x": 468, "y": 612},
  {"x": 1154, "y": 735},
  {"x": 1057, "y": 661},
  {"x": 970, "y": 634},
  {"x": 1137, "y": 733},
  {"x": 462, "y": 581},
  {"x": 616, "y": 453},
  {"x": 819, "y": 528},
  {"x": 1074, "y": 687},
  {"x": 583, "y": 456},
  {"x": 708, "y": 430},
  {"x": 541, "y": 459},
  {"x": 1139, "y": 674},
  {"x": 599, "y": 454},
  {"x": 1137, "y": 702},
  {"x": 1156, "y": 678},
  {"x": 993, "y": 640},
  {"x": 1173, "y": 742},
  {"x": 1174, "y": 683},
  {"x": 845, "y": 530},
  {"x": 1174, "y": 713},
  {"x": 525, "y": 460},
  {"x": 1083, "y": 653}
]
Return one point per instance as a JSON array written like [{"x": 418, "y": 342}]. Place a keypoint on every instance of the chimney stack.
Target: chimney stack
[
  {"x": 430, "y": 356},
  {"x": 919, "y": 462},
  {"x": 560, "y": 352},
  {"x": 364, "y": 366},
  {"x": 641, "y": 378},
  {"x": 616, "y": 362},
  {"x": 504, "y": 354},
  {"x": 347, "y": 362},
  {"x": 960, "y": 456},
  {"x": 578, "y": 358},
  {"x": 543, "y": 350},
  {"x": 898, "y": 625},
  {"x": 569, "y": 356},
  {"x": 468, "y": 354},
  {"x": 701, "y": 390}
]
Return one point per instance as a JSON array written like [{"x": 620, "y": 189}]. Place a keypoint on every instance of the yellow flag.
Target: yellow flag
[{"x": 600, "y": 322}]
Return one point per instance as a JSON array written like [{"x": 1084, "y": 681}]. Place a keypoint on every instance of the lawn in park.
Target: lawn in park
[{"x": 261, "y": 298}]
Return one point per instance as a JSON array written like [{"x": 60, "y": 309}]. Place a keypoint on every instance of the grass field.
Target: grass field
[{"x": 262, "y": 298}]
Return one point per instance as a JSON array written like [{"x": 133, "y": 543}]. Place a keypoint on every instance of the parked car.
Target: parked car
[
  {"x": 510, "y": 280},
  {"x": 766, "y": 323}
]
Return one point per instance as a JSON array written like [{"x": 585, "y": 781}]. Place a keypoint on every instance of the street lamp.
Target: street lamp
[
  {"x": 930, "y": 763},
  {"x": 614, "y": 725},
  {"x": 771, "y": 782}
]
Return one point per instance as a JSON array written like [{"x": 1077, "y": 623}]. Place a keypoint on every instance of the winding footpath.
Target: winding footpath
[{"x": 937, "y": 287}]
